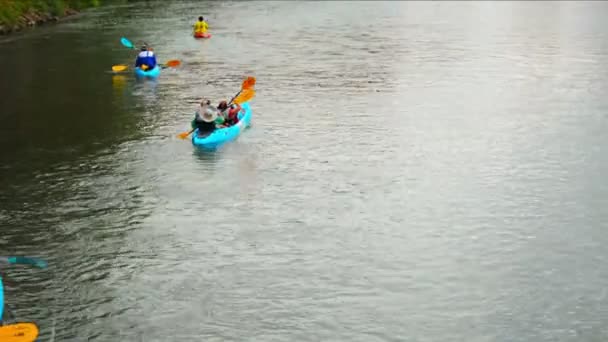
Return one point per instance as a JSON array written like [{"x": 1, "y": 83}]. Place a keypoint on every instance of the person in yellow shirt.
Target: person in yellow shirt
[{"x": 200, "y": 27}]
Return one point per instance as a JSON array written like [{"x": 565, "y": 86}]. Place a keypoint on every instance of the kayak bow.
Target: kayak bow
[{"x": 202, "y": 35}]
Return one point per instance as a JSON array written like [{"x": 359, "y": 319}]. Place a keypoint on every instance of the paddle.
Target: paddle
[
  {"x": 173, "y": 63},
  {"x": 19, "y": 332},
  {"x": 25, "y": 261},
  {"x": 127, "y": 43},
  {"x": 119, "y": 68},
  {"x": 247, "y": 91}
]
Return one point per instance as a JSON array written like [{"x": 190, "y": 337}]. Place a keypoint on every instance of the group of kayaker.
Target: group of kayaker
[
  {"x": 146, "y": 59},
  {"x": 208, "y": 118}
]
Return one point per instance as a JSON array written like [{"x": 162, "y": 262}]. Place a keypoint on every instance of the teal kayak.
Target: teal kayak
[
  {"x": 149, "y": 73},
  {"x": 1, "y": 300},
  {"x": 223, "y": 135},
  {"x": 17, "y": 260}
]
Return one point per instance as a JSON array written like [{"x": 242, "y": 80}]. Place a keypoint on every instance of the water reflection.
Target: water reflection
[
  {"x": 119, "y": 83},
  {"x": 207, "y": 157}
]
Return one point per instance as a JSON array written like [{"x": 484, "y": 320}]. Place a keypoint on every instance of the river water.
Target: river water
[{"x": 416, "y": 171}]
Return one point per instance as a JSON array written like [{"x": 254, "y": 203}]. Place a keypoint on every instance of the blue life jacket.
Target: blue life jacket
[{"x": 146, "y": 57}]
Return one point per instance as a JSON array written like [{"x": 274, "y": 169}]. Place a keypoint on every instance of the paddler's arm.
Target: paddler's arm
[{"x": 23, "y": 261}]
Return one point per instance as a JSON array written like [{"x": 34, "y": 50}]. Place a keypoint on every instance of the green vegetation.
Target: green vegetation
[{"x": 21, "y": 12}]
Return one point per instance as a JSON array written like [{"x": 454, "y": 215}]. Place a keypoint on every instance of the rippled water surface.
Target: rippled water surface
[{"x": 416, "y": 171}]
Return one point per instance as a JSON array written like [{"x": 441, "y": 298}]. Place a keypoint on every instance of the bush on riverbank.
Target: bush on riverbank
[{"x": 15, "y": 14}]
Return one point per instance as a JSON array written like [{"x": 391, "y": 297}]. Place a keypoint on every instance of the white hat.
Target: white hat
[{"x": 208, "y": 115}]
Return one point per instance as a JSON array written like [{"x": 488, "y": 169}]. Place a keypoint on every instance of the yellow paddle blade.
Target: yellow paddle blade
[
  {"x": 173, "y": 63},
  {"x": 118, "y": 68},
  {"x": 144, "y": 67},
  {"x": 19, "y": 332}
]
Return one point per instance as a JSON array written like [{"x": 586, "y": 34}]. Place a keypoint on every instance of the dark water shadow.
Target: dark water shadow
[{"x": 207, "y": 156}]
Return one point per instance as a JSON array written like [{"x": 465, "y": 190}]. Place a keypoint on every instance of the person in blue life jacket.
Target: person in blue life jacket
[{"x": 146, "y": 60}]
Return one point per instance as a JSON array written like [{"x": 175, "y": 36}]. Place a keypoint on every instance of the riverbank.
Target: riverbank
[{"x": 16, "y": 15}]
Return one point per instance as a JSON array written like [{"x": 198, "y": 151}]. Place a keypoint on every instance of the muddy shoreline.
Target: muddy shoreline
[{"x": 34, "y": 19}]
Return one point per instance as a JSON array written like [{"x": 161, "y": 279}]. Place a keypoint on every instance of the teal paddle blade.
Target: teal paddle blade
[
  {"x": 126, "y": 42},
  {"x": 28, "y": 261}
]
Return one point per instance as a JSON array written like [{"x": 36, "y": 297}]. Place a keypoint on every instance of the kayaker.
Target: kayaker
[
  {"x": 205, "y": 118},
  {"x": 146, "y": 59},
  {"x": 229, "y": 113},
  {"x": 201, "y": 26}
]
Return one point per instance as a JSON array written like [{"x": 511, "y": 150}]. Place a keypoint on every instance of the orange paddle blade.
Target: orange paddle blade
[
  {"x": 245, "y": 96},
  {"x": 247, "y": 92},
  {"x": 183, "y": 135},
  {"x": 173, "y": 63},
  {"x": 248, "y": 83},
  {"x": 118, "y": 68},
  {"x": 19, "y": 332}
]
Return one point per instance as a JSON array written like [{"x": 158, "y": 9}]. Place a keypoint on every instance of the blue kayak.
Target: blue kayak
[
  {"x": 223, "y": 135},
  {"x": 149, "y": 73},
  {"x": 1, "y": 300}
]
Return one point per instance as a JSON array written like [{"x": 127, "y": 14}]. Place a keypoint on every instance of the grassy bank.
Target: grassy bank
[{"x": 17, "y": 14}]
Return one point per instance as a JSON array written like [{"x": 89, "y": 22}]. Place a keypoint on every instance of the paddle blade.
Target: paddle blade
[
  {"x": 173, "y": 63},
  {"x": 144, "y": 67},
  {"x": 127, "y": 43},
  {"x": 245, "y": 96},
  {"x": 247, "y": 92},
  {"x": 19, "y": 332},
  {"x": 28, "y": 261},
  {"x": 119, "y": 68},
  {"x": 248, "y": 83},
  {"x": 183, "y": 135}
]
